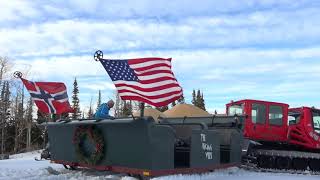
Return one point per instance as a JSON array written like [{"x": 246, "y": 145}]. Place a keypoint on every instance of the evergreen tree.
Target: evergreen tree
[
  {"x": 173, "y": 103},
  {"x": 9, "y": 123},
  {"x": 198, "y": 99},
  {"x": 41, "y": 117},
  {"x": 99, "y": 100},
  {"x": 194, "y": 100},
  {"x": 64, "y": 116},
  {"x": 2, "y": 123},
  {"x": 40, "y": 136},
  {"x": 54, "y": 117},
  {"x": 202, "y": 103},
  {"x": 181, "y": 100},
  {"x": 75, "y": 101}
]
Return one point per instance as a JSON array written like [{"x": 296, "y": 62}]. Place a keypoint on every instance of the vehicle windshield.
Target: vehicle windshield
[
  {"x": 316, "y": 120},
  {"x": 235, "y": 109}
]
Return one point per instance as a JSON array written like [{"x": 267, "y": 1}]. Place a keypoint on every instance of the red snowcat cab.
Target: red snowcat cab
[{"x": 279, "y": 137}]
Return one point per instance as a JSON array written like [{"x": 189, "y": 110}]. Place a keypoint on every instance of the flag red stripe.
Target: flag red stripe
[
  {"x": 151, "y": 66},
  {"x": 159, "y": 104},
  {"x": 154, "y": 72},
  {"x": 158, "y": 88},
  {"x": 156, "y": 80},
  {"x": 152, "y": 97},
  {"x": 142, "y": 60},
  {"x": 51, "y": 87}
]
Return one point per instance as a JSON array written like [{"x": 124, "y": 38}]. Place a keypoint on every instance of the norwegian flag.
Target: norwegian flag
[{"x": 50, "y": 97}]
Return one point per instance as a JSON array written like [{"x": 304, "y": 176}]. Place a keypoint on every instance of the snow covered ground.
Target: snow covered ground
[{"x": 23, "y": 166}]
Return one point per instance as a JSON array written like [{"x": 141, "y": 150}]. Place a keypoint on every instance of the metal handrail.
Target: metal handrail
[{"x": 203, "y": 126}]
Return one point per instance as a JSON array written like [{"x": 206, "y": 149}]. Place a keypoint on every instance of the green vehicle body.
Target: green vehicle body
[{"x": 147, "y": 147}]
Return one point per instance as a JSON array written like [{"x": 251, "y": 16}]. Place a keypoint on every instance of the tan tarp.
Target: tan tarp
[
  {"x": 150, "y": 112},
  {"x": 181, "y": 110}
]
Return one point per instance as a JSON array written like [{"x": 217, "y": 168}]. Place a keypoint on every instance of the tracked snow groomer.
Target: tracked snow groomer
[
  {"x": 145, "y": 147},
  {"x": 279, "y": 137},
  {"x": 142, "y": 145}
]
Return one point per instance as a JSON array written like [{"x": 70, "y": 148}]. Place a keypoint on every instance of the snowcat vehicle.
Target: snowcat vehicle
[
  {"x": 142, "y": 146},
  {"x": 278, "y": 137}
]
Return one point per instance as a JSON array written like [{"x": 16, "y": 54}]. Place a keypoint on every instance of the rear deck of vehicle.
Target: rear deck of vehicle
[{"x": 145, "y": 147}]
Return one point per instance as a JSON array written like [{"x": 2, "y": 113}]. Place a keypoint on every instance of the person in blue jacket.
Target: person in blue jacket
[{"x": 103, "y": 110}]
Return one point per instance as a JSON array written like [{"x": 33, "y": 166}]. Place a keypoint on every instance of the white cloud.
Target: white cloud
[
  {"x": 240, "y": 30},
  {"x": 63, "y": 67},
  {"x": 229, "y": 49},
  {"x": 262, "y": 75},
  {"x": 113, "y": 9},
  {"x": 99, "y": 85},
  {"x": 16, "y": 9},
  {"x": 214, "y": 64}
]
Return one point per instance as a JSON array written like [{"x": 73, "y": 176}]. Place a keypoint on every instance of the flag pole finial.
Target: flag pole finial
[
  {"x": 17, "y": 74},
  {"x": 98, "y": 55}
]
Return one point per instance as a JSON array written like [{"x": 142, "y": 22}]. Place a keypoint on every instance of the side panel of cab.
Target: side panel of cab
[{"x": 266, "y": 121}]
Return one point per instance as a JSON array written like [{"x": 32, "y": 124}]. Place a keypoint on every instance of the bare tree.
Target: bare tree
[
  {"x": 20, "y": 124},
  {"x": 28, "y": 119},
  {"x": 5, "y": 66},
  {"x": 117, "y": 106},
  {"x": 99, "y": 100}
]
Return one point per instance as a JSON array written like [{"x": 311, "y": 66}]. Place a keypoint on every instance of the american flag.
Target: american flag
[{"x": 148, "y": 80}]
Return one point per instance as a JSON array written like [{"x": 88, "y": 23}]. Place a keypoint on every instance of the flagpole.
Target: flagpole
[{"x": 142, "y": 105}]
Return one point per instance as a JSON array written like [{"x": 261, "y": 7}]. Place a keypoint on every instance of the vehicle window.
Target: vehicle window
[
  {"x": 275, "y": 115},
  {"x": 316, "y": 121},
  {"x": 235, "y": 109},
  {"x": 258, "y": 113},
  {"x": 294, "y": 119}
]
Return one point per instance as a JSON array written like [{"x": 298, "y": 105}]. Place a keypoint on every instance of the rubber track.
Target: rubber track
[
  {"x": 291, "y": 154},
  {"x": 253, "y": 167}
]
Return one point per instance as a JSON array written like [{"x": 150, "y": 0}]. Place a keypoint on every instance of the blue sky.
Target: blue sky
[{"x": 264, "y": 49}]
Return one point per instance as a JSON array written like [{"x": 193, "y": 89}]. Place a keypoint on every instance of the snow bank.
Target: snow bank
[
  {"x": 23, "y": 166},
  {"x": 239, "y": 174}
]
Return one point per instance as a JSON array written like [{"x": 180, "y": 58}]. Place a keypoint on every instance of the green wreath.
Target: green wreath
[{"x": 94, "y": 135}]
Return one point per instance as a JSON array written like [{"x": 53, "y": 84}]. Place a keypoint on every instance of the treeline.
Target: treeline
[
  {"x": 197, "y": 100},
  {"x": 18, "y": 126}
]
